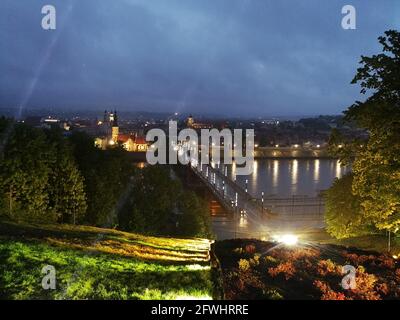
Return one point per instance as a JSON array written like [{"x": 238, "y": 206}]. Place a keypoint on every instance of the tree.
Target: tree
[
  {"x": 343, "y": 214},
  {"x": 66, "y": 185},
  {"x": 194, "y": 218},
  {"x": 376, "y": 164},
  {"x": 154, "y": 198},
  {"x": 158, "y": 204},
  {"x": 38, "y": 176},
  {"x": 106, "y": 174},
  {"x": 24, "y": 172}
]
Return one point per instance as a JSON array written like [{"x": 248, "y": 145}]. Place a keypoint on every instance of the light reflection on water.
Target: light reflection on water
[{"x": 287, "y": 177}]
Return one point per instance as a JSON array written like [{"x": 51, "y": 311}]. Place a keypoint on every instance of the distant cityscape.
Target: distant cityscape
[{"x": 129, "y": 128}]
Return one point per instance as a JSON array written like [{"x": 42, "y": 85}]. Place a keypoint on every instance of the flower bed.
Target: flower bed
[{"x": 254, "y": 269}]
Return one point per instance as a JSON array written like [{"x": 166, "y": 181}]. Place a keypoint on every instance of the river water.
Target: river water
[
  {"x": 283, "y": 178},
  {"x": 284, "y": 182}
]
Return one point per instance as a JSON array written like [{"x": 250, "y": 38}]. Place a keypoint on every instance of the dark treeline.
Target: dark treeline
[{"x": 48, "y": 177}]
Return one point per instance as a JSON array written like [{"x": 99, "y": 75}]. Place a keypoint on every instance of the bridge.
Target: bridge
[{"x": 263, "y": 214}]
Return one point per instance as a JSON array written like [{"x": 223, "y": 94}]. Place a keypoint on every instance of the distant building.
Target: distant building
[
  {"x": 112, "y": 136},
  {"x": 190, "y": 123},
  {"x": 46, "y": 122}
]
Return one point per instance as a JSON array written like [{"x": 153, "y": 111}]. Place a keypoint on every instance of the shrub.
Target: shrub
[
  {"x": 327, "y": 292},
  {"x": 269, "y": 260},
  {"x": 244, "y": 265},
  {"x": 286, "y": 268},
  {"x": 250, "y": 248},
  {"x": 326, "y": 267}
]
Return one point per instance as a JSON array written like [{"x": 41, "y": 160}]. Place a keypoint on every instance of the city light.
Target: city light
[{"x": 287, "y": 239}]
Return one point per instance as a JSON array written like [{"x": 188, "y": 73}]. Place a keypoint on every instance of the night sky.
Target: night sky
[{"x": 226, "y": 57}]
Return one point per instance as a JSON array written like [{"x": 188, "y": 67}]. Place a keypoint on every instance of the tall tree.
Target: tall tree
[
  {"x": 376, "y": 166},
  {"x": 24, "y": 172},
  {"x": 66, "y": 185},
  {"x": 106, "y": 175}
]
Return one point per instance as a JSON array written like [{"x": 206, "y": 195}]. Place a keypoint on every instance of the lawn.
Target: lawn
[{"x": 95, "y": 263}]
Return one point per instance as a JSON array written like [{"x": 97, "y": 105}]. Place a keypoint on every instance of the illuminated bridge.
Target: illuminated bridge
[{"x": 254, "y": 216}]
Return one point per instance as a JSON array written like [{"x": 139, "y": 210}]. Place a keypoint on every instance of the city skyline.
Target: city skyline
[{"x": 251, "y": 58}]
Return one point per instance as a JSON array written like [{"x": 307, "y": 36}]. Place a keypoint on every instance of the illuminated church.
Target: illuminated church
[{"x": 111, "y": 135}]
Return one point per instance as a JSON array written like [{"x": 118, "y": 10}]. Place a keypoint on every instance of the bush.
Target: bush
[
  {"x": 244, "y": 265},
  {"x": 286, "y": 268}
]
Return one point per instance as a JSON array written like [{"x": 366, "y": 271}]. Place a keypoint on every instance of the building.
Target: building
[
  {"x": 190, "y": 123},
  {"x": 112, "y": 136}
]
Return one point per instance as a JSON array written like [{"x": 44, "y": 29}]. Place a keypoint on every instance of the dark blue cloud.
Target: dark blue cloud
[{"x": 241, "y": 57}]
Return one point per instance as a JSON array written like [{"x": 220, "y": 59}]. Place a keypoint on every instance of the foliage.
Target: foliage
[
  {"x": 48, "y": 177},
  {"x": 39, "y": 177},
  {"x": 343, "y": 212},
  {"x": 376, "y": 166},
  {"x": 66, "y": 184},
  {"x": 107, "y": 176},
  {"x": 244, "y": 265},
  {"x": 305, "y": 272},
  {"x": 194, "y": 219},
  {"x": 287, "y": 269},
  {"x": 160, "y": 205}
]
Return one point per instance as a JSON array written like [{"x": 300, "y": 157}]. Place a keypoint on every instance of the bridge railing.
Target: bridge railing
[{"x": 295, "y": 206}]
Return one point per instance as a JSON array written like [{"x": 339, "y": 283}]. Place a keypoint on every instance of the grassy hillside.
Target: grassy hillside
[{"x": 94, "y": 263}]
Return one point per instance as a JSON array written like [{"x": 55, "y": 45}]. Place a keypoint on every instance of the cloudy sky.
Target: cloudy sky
[{"x": 233, "y": 57}]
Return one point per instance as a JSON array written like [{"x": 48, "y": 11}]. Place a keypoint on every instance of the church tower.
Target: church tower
[
  {"x": 105, "y": 118},
  {"x": 190, "y": 121},
  {"x": 114, "y": 126}
]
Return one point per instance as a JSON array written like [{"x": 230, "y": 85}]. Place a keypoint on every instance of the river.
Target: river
[
  {"x": 290, "y": 187},
  {"x": 283, "y": 178}
]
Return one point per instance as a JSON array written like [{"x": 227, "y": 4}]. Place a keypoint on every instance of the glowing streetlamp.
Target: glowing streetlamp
[
  {"x": 287, "y": 239},
  {"x": 236, "y": 211},
  {"x": 236, "y": 199},
  {"x": 262, "y": 202}
]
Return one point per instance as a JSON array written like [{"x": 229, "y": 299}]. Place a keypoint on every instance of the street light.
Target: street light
[
  {"x": 236, "y": 199},
  {"x": 235, "y": 214},
  {"x": 287, "y": 239},
  {"x": 262, "y": 202}
]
